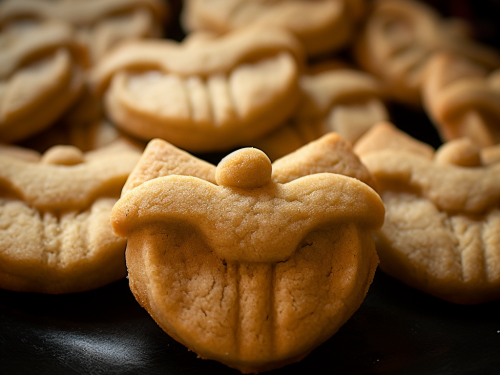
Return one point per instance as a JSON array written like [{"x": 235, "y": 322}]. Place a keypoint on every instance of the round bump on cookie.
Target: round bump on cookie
[
  {"x": 248, "y": 168},
  {"x": 63, "y": 155},
  {"x": 461, "y": 152}
]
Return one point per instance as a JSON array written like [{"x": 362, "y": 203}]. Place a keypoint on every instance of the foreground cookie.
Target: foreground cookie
[
  {"x": 101, "y": 24},
  {"x": 463, "y": 99},
  {"x": 442, "y": 225},
  {"x": 340, "y": 100},
  {"x": 206, "y": 93},
  {"x": 55, "y": 234},
  {"x": 41, "y": 75},
  {"x": 250, "y": 264},
  {"x": 321, "y": 26},
  {"x": 401, "y": 35}
]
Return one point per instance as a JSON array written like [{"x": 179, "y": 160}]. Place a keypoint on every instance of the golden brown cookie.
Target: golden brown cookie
[
  {"x": 400, "y": 36},
  {"x": 55, "y": 233},
  {"x": 40, "y": 77},
  {"x": 338, "y": 99},
  {"x": 248, "y": 263},
  {"x": 463, "y": 99},
  {"x": 204, "y": 94},
  {"x": 321, "y": 26},
  {"x": 442, "y": 224},
  {"x": 101, "y": 24}
]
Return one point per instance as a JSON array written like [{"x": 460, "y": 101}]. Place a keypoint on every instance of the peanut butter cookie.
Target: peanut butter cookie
[
  {"x": 55, "y": 233},
  {"x": 321, "y": 26},
  {"x": 400, "y": 36},
  {"x": 100, "y": 24},
  {"x": 463, "y": 99},
  {"x": 442, "y": 225},
  {"x": 41, "y": 75},
  {"x": 249, "y": 263},
  {"x": 341, "y": 100},
  {"x": 205, "y": 94}
]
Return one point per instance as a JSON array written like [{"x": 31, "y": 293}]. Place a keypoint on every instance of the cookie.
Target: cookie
[
  {"x": 463, "y": 99},
  {"x": 55, "y": 233},
  {"x": 41, "y": 75},
  {"x": 335, "y": 99},
  {"x": 441, "y": 232},
  {"x": 321, "y": 26},
  {"x": 248, "y": 263},
  {"x": 205, "y": 94},
  {"x": 399, "y": 37},
  {"x": 101, "y": 24}
]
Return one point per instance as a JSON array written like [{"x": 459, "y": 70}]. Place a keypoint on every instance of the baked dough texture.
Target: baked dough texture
[
  {"x": 248, "y": 263},
  {"x": 442, "y": 226},
  {"x": 41, "y": 75},
  {"x": 463, "y": 99},
  {"x": 205, "y": 94},
  {"x": 341, "y": 100},
  {"x": 400, "y": 36},
  {"x": 100, "y": 24},
  {"x": 321, "y": 26},
  {"x": 55, "y": 233}
]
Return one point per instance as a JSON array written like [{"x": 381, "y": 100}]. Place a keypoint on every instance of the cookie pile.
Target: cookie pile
[{"x": 258, "y": 260}]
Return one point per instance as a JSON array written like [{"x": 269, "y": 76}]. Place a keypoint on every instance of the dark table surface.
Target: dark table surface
[{"x": 397, "y": 330}]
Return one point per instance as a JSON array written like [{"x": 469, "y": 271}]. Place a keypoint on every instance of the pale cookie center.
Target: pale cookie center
[{"x": 248, "y": 168}]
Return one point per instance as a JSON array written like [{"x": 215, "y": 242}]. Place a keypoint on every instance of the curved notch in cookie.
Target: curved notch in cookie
[
  {"x": 321, "y": 26},
  {"x": 243, "y": 269},
  {"x": 55, "y": 235},
  {"x": 442, "y": 219},
  {"x": 205, "y": 93}
]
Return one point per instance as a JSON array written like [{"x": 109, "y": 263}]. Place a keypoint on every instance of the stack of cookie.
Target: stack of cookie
[
  {"x": 55, "y": 233},
  {"x": 258, "y": 260}
]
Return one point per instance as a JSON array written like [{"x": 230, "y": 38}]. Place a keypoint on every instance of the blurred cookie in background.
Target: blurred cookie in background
[
  {"x": 322, "y": 27},
  {"x": 100, "y": 24},
  {"x": 400, "y": 36},
  {"x": 462, "y": 98},
  {"x": 41, "y": 76},
  {"x": 207, "y": 93},
  {"x": 335, "y": 98}
]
